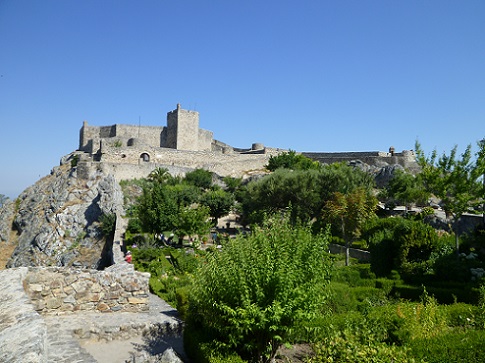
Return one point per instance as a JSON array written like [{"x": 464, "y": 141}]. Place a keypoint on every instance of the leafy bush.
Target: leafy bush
[
  {"x": 201, "y": 348},
  {"x": 108, "y": 224},
  {"x": 345, "y": 346},
  {"x": 463, "y": 346},
  {"x": 401, "y": 244},
  {"x": 250, "y": 295}
]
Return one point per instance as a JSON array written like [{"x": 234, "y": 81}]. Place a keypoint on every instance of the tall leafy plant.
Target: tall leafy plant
[{"x": 250, "y": 296}]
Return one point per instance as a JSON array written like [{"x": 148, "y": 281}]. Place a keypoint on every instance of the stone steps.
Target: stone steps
[
  {"x": 144, "y": 334},
  {"x": 28, "y": 337}
]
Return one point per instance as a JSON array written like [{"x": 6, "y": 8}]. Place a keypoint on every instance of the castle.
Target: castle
[{"x": 129, "y": 151}]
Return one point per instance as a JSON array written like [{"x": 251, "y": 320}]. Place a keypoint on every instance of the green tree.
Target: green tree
[
  {"x": 249, "y": 296},
  {"x": 456, "y": 181},
  {"x": 219, "y": 203},
  {"x": 184, "y": 194},
  {"x": 157, "y": 209},
  {"x": 406, "y": 189},
  {"x": 160, "y": 175},
  {"x": 192, "y": 221},
  {"x": 232, "y": 184},
  {"x": 200, "y": 178},
  {"x": 351, "y": 211},
  {"x": 401, "y": 244},
  {"x": 291, "y": 160},
  {"x": 303, "y": 192}
]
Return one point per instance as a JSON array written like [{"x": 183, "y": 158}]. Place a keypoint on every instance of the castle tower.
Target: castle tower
[{"x": 183, "y": 129}]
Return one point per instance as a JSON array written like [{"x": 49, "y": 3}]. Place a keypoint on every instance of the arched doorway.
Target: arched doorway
[{"x": 145, "y": 157}]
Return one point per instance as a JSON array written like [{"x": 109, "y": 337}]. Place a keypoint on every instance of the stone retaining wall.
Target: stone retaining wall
[{"x": 54, "y": 290}]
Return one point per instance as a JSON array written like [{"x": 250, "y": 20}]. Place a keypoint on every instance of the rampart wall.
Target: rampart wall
[
  {"x": 376, "y": 158},
  {"x": 128, "y": 163}
]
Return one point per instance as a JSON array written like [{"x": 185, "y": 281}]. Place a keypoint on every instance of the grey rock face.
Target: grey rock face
[
  {"x": 6, "y": 215},
  {"x": 23, "y": 332},
  {"x": 57, "y": 219},
  {"x": 385, "y": 174}
]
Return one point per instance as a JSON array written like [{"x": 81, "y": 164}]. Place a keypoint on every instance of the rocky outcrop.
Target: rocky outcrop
[
  {"x": 384, "y": 175},
  {"x": 56, "y": 219},
  {"x": 6, "y": 215},
  {"x": 23, "y": 332}
]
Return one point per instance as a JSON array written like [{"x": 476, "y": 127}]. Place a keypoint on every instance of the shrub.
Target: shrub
[
  {"x": 345, "y": 347},
  {"x": 250, "y": 295},
  {"x": 461, "y": 315},
  {"x": 200, "y": 347},
  {"x": 401, "y": 244},
  {"x": 452, "y": 347},
  {"x": 354, "y": 275}
]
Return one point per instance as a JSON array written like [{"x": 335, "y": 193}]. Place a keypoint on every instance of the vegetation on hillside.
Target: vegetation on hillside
[{"x": 416, "y": 301}]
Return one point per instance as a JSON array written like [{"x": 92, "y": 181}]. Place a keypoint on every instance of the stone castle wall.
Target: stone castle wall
[
  {"x": 183, "y": 145},
  {"x": 406, "y": 158},
  {"x": 54, "y": 290},
  {"x": 128, "y": 163}
]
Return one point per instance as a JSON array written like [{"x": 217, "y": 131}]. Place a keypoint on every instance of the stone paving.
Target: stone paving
[{"x": 146, "y": 334}]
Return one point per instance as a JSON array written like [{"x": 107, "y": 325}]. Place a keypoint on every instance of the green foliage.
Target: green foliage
[
  {"x": 200, "y": 347},
  {"x": 462, "y": 346},
  {"x": 291, "y": 160},
  {"x": 200, "y": 178},
  {"x": 232, "y": 184},
  {"x": 251, "y": 294},
  {"x": 160, "y": 175},
  {"x": 192, "y": 221},
  {"x": 456, "y": 181},
  {"x": 157, "y": 209},
  {"x": 134, "y": 226},
  {"x": 219, "y": 202},
  {"x": 184, "y": 194},
  {"x": 171, "y": 270},
  {"x": 74, "y": 160},
  {"x": 357, "y": 348},
  {"x": 401, "y": 244},
  {"x": 108, "y": 224},
  {"x": 406, "y": 189},
  {"x": 350, "y": 212},
  {"x": 302, "y": 192}
]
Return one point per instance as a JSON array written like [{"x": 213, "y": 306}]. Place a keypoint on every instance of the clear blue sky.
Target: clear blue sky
[{"x": 306, "y": 75}]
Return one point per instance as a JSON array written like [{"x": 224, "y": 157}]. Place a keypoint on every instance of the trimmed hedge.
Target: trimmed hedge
[{"x": 465, "y": 346}]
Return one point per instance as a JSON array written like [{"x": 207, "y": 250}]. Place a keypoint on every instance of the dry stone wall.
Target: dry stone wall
[{"x": 54, "y": 290}]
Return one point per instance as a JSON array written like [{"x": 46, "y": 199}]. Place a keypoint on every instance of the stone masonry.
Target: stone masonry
[{"x": 55, "y": 290}]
